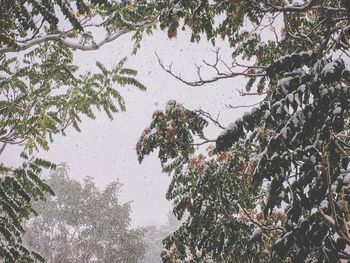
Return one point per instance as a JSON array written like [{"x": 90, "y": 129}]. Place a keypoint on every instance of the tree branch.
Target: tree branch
[
  {"x": 3, "y": 146},
  {"x": 293, "y": 8},
  {"x": 74, "y": 45},
  {"x": 330, "y": 223},
  {"x": 243, "y": 106},
  {"x": 201, "y": 81},
  {"x": 208, "y": 116}
]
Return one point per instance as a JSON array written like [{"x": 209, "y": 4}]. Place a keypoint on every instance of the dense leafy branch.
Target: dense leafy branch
[
  {"x": 288, "y": 155},
  {"x": 37, "y": 23},
  {"x": 42, "y": 94}
]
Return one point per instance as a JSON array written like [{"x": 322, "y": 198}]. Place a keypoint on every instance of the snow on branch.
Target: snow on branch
[
  {"x": 299, "y": 6},
  {"x": 70, "y": 44}
]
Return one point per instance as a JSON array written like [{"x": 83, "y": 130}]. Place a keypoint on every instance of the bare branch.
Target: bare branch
[
  {"x": 208, "y": 116},
  {"x": 203, "y": 142},
  {"x": 201, "y": 81},
  {"x": 243, "y": 93},
  {"x": 3, "y": 146},
  {"x": 243, "y": 106}
]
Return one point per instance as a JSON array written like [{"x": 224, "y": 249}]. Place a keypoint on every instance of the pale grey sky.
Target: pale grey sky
[{"x": 105, "y": 149}]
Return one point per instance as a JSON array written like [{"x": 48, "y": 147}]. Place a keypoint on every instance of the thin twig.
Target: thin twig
[
  {"x": 243, "y": 106},
  {"x": 263, "y": 227},
  {"x": 208, "y": 116},
  {"x": 3, "y": 146},
  {"x": 330, "y": 197}
]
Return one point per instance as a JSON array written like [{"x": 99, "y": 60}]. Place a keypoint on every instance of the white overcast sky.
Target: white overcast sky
[{"x": 105, "y": 149}]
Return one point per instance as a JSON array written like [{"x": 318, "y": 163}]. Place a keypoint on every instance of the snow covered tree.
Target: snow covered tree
[
  {"x": 42, "y": 92},
  {"x": 207, "y": 188},
  {"x": 83, "y": 224},
  {"x": 291, "y": 153}
]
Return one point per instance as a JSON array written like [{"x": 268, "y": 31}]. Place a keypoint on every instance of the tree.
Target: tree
[
  {"x": 208, "y": 187},
  {"x": 290, "y": 153},
  {"x": 83, "y": 224},
  {"x": 42, "y": 92},
  {"x": 154, "y": 236}
]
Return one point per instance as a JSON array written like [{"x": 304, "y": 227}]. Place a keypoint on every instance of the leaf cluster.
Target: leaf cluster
[{"x": 19, "y": 187}]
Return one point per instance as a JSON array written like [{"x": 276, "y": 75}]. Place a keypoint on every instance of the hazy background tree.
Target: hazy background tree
[
  {"x": 82, "y": 223},
  {"x": 154, "y": 236}
]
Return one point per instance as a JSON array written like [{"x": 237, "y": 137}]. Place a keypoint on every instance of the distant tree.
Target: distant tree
[
  {"x": 42, "y": 92},
  {"x": 83, "y": 224},
  {"x": 291, "y": 153},
  {"x": 154, "y": 236}
]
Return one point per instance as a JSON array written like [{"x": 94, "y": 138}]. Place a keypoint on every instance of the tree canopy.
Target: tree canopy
[
  {"x": 275, "y": 185},
  {"x": 83, "y": 224},
  {"x": 274, "y": 188},
  {"x": 43, "y": 92}
]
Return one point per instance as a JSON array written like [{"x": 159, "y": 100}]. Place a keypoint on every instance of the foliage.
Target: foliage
[
  {"x": 42, "y": 91},
  {"x": 18, "y": 188},
  {"x": 154, "y": 236},
  {"x": 172, "y": 132},
  {"x": 308, "y": 114},
  {"x": 218, "y": 235},
  {"x": 290, "y": 154},
  {"x": 212, "y": 232},
  {"x": 33, "y": 111},
  {"x": 28, "y": 23},
  {"x": 83, "y": 224}
]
